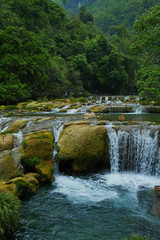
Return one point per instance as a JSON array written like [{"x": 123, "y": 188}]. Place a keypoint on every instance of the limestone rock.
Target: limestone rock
[
  {"x": 6, "y": 142},
  {"x": 16, "y": 126},
  {"x": 10, "y": 164},
  {"x": 83, "y": 148},
  {"x": 37, "y": 154}
]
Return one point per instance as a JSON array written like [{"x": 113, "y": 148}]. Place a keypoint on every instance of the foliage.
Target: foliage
[
  {"x": 30, "y": 163},
  {"x": 138, "y": 237},
  {"x": 9, "y": 212},
  {"x": 147, "y": 45},
  {"x": 45, "y": 54},
  {"x": 112, "y": 12}
]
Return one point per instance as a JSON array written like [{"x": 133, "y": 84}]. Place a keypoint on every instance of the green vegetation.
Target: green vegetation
[
  {"x": 9, "y": 214},
  {"x": 138, "y": 237},
  {"x": 45, "y": 54},
  {"x": 30, "y": 163},
  {"x": 148, "y": 47},
  {"x": 112, "y": 12}
]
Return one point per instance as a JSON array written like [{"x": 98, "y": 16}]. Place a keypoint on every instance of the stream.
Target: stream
[{"x": 110, "y": 205}]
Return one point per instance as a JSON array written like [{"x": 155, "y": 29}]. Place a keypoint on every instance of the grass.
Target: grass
[{"x": 9, "y": 214}]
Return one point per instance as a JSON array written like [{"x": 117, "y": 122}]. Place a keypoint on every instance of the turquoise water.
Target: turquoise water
[{"x": 102, "y": 206}]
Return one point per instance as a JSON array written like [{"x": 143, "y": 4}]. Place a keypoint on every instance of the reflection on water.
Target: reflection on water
[{"x": 132, "y": 117}]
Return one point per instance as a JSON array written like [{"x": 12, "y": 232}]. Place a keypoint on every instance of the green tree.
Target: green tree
[
  {"x": 148, "y": 46},
  {"x": 23, "y": 65}
]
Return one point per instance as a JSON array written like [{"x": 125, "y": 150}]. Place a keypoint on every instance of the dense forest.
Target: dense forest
[
  {"x": 44, "y": 53},
  {"x": 108, "y": 13}
]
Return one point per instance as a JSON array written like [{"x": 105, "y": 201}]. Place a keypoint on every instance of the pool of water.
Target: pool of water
[{"x": 103, "y": 206}]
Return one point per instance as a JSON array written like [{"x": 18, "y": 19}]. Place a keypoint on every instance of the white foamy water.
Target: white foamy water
[{"x": 79, "y": 190}]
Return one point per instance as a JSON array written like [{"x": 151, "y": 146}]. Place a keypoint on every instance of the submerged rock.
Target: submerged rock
[
  {"x": 83, "y": 148},
  {"x": 156, "y": 201},
  {"x": 37, "y": 154}
]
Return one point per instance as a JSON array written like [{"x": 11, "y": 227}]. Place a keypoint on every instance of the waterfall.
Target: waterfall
[
  {"x": 4, "y": 123},
  {"x": 18, "y": 137},
  {"x": 139, "y": 109},
  {"x": 57, "y": 128},
  {"x": 134, "y": 150}
]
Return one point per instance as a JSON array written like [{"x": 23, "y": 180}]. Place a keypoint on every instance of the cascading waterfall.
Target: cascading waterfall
[
  {"x": 18, "y": 137},
  {"x": 134, "y": 150},
  {"x": 57, "y": 128}
]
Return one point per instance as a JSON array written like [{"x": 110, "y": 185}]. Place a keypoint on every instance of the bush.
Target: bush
[
  {"x": 138, "y": 237},
  {"x": 9, "y": 214}
]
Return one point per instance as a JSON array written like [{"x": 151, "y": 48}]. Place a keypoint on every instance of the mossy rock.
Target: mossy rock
[
  {"x": 10, "y": 164},
  {"x": 7, "y": 188},
  {"x": 83, "y": 148},
  {"x": 98, "y": 109},
  {"x": 76, "y": 123},
  {"x": 16, "y": 126},
  {"x": 6, "y": 141},
  {"x": 25, "y": 186},
  {"x": 37, "y": 154}
]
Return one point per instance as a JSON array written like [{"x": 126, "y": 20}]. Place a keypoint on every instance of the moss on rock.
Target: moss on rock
[
  {"x": 6, "y": 141},
  {"x": 16, "y": 126},
  {"x": 10, "y": 165},
  {"x": 83, "y": 148},
  {"x": 36, "y": 154}
]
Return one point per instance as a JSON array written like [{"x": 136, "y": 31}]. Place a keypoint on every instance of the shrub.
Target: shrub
[
  {"x": 9, "y": 214},
  {"x": 138, "y": 237}
]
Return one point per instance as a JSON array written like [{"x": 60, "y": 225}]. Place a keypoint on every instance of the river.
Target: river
[{"x": 107, "y": 206}]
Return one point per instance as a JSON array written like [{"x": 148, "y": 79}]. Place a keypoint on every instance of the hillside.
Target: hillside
[{"x": 109, "y": 13}]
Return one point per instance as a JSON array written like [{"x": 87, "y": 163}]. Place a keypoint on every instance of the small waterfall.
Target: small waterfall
[
  {"x": 114, "y": 149},
  {"x": 18, "y": 137},
  {"x": 139, "y": 109},
  {"x": 57, "y": 128},
  {"x": 134, "y": 150},
  {"x": 4, "y": 123}
]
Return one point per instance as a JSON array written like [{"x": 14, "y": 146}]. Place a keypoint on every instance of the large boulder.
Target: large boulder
[
  {"x": 6, "y": 141},
  {"x": 10, "y": 164},
  {"x": 83, "y": 148},
  {"x": 37, "y": 154}
]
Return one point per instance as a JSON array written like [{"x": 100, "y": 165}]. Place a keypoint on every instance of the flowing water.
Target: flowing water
[{"x": 105, "y": 206}]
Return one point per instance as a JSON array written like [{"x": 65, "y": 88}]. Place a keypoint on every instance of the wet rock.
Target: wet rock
[
  {"x": 6, "y": 141},
  {"x": 39, "y": 124},
  {"x": 25, "y": 186},
  {"x": 76, "y": 123},
  {"x": 156, "y": 201},
  {"x": 16, "y": 126},
  {"x": 10, "y": 164},
  {"x": 83, "y": 148},
  {"x": 37, "y": 154}
]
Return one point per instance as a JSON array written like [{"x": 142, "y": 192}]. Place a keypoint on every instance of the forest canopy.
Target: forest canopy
[{"x": 45, "y": 53}]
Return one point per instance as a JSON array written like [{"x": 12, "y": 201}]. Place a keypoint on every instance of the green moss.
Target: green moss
[
  {"x": 11, "y": 107},
  {"x": 30, "y": 163},
  {"x": 43, "y": 136},
  {"x": 138, "y": 237},
  {"x": 22, "y": 186},
  {"x": 24, "y": 144},
  {"x": 9, "y": 214}
]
